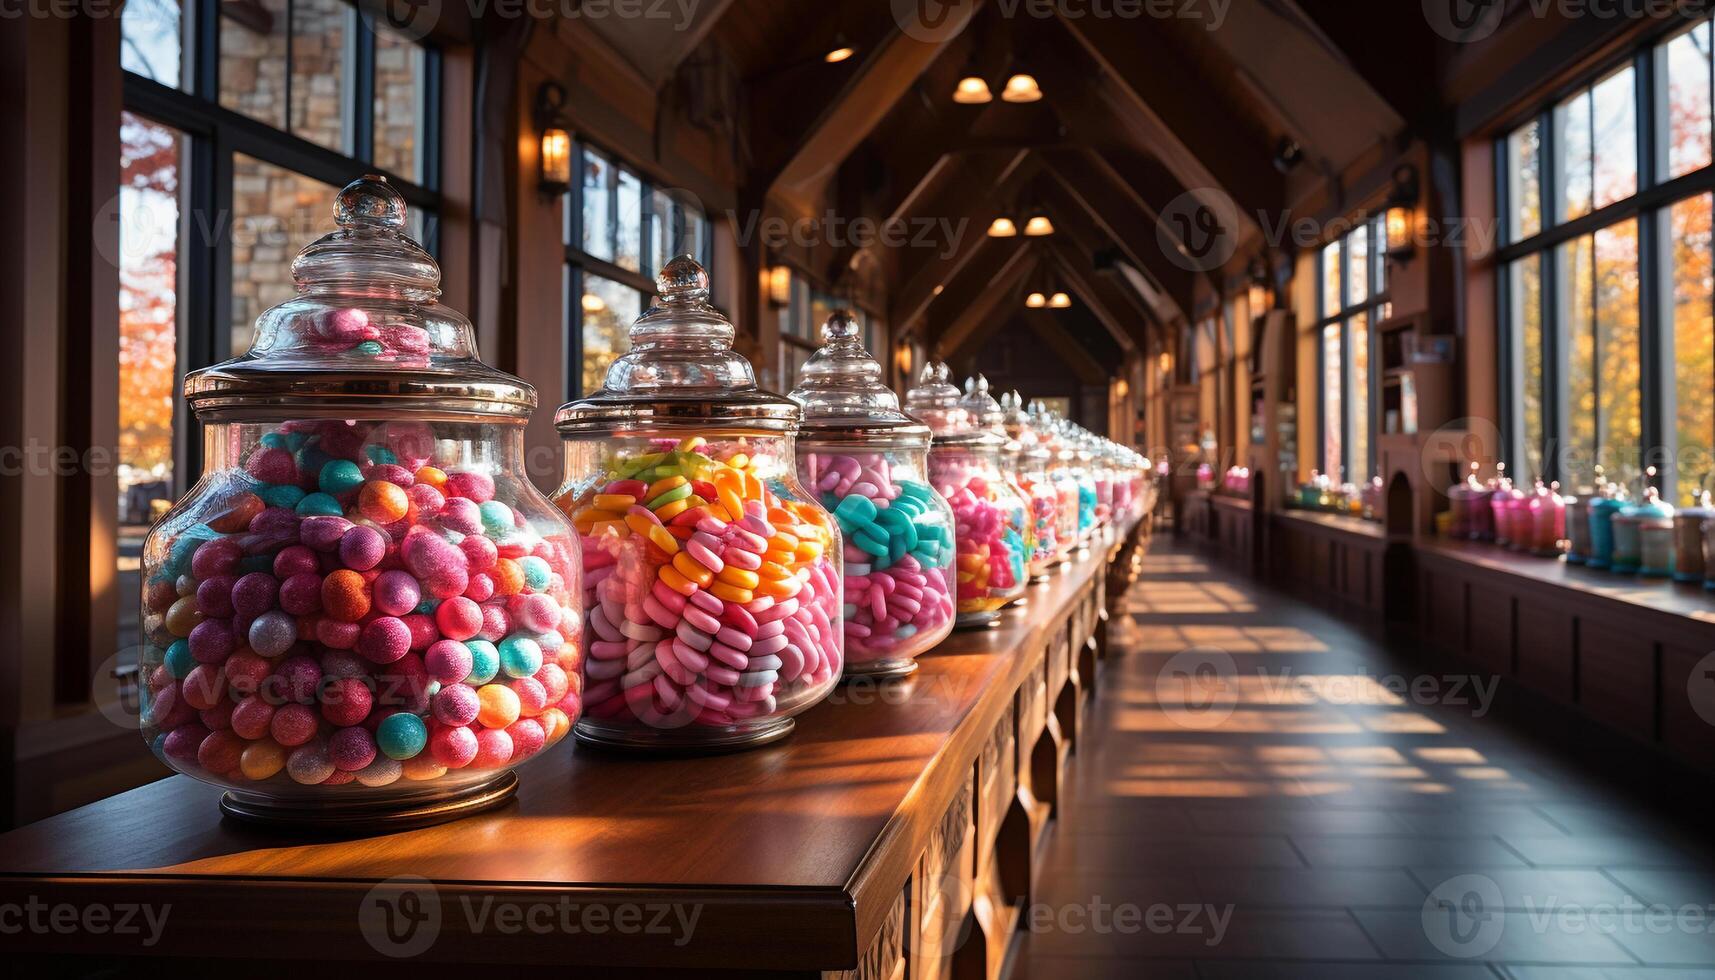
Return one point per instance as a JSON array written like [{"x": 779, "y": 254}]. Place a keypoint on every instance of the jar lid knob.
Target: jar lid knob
[
  {"x": 682, "y": 281},
  {"x": 370, "y": 201},
  {"x": 840, "y": 330}
]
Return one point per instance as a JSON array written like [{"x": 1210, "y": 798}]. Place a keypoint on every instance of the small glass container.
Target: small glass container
[
  {"x": 868, "y": 463},
  {"x": 712, "y": 578},
  {"x": 1086, "y": 482},
  {"x": 1652, "y": 522},
  {"x": 1501, "y": 495},
  {"x": 1042, "y": 498},
  {"x": 1547, "y": 518},
  {"x": 1603, "y": 508},
  {"x": 1043, "y": 421},
  {"x": 363, "y": 614},
  {"x": 964, "y": 467},
  {"x": 1688, "y": 565},
  {"x": 1473, "y": 520},
  {"x": 986, "y": 414}
]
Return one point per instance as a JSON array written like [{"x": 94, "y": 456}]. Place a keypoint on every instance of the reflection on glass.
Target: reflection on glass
[
  {"x": 628, "y": 244},
  {"x": 792, "y": 360},
  {"x": 694, "y": 235},
  {"x": 1692, "y": 297},
  {"x": 597, "y": 196},
  {"x": 322, "y": 48},
  {"x": 1616, "y": 122},
  {"x": 1525, "y": 291},
  {"x": 150, "y": 40},
  {"x": 1683, "y": 100},
  {"x": 1618, "y": 347},
  {"x": 276, "y": 212},
  {"x": 1358, "y": 266},
  {"x": 661, "y": 231},
  {"x": 1572, "y": 135},
  {"x": 1378, "y": 234},
  {"x": 149, "y": 162},
  {"x": 1331, "y": 279},
  {"x": 253, "y": 60},
  {"x": 607, "y": 309},
  {"x": 1578, "y": 354},
  {"x": 1524, "y": 181},
  {"x": 1332, "y": 416},
  {"x": 1358, "y": 337},
  {"x": 400, "y": 84}
]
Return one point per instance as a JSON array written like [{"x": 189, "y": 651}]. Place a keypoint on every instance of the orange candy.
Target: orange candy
[
  {"x": 498, "y": 706},
  {"x": 345, "y": 596},
  {"x": 383, "y": 502},
  {"x": 431, "y": 475},
  {"x": 508, "y": 577}
]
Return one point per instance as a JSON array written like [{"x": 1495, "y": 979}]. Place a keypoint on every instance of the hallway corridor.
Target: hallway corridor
[{"x": 1266, "y": 791}]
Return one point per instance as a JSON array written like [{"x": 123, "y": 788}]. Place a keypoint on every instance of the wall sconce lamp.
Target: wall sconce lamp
[
  {"x": 1259, "y": 295},
  {"x": 556, "y": 150},
  {"x": 777, "y": 280},
  {"x": 1401, "y": 218}
]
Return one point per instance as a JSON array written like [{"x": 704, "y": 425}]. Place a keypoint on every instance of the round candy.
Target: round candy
[
  {"x": 520, "y": 656},
  {"x": 395, "y": 593},
  {"x": 458, "y": 704},
  {"x": 401, "y": 735},
  {"x": 362, "y": 547},
  {"x": 484, "y": 661},
  {"x": 309, "y": 764},
  {"x": 453, "y": 746},
  {"x": 499, "y": 706},
  {"x": 346, "y": 700},
  {"x": 459, "y": 618},
  {"x": 448, "y": 661},
  {"x": 339, "y": 476},
  {"x": 351, "y": 749},
  {"x": 493, "y": 749},
  {"x": 383, "y": 502}
]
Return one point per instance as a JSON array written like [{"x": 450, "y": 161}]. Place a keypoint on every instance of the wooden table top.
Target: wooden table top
[{"x": 800, "y": 824}]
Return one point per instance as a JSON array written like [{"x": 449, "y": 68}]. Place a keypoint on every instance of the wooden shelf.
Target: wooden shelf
[{"x": 801, "y": 857}]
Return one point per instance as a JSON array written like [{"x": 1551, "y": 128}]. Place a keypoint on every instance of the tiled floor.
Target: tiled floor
[{"x": 1268, "y": 791}]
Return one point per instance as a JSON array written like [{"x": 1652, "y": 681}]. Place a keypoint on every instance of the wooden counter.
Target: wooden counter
[{"x": 895, "y": 834}]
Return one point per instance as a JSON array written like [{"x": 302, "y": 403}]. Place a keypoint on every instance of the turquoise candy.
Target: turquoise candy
[
  {"x": 297, "y": 440},
  {"x": 280, "y": 494},
  {"x": 179, "y": 660},
  {"x": 274, "y": 440},
  {"x": 370, "y": 348},
  {"x": 857, "y": 509},
  {"x": 871, "y": 539},
  {"x": 427, "y": 607},
  {"x": 484, "y": 662},
  {"x": 496, "y": 517},
  {"x": 536, "y": 573},
  {"x": 318, "y": 505},
  {"x": 401, "y": 735},
  {"x": 381, "y": 454},
  {"x": 520, "y": 656},
  {"x": 310, "y": 458},
  {"x": 339, "y": 476},
  {"x": 179, "y": 555}
]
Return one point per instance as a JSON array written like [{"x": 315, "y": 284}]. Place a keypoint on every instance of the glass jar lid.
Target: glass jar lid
[
  {"x": 935, "y": 401},
  {"x": 681, "y": 369},
  {"x": 366, "y": 332},
  {"x": 1020, "y": 428},
  {"x": 842, "y": 392}
]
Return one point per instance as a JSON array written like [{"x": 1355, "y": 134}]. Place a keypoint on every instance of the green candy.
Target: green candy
[
  {"x": 856, "y": 508},
  {"x": 370, "y": 348},
  {"x": 318, "y": 505},
  {"x": 679, "y": 492},
  {"x": 338, "y": 476},
  {"x": 280, "y": 495}
]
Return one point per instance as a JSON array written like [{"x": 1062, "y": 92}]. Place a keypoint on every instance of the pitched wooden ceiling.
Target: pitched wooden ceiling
[{"x": 1137, "y": 115}]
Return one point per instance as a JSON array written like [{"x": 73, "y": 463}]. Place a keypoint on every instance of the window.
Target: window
[
  {"x": 620, "y": 231},
  {"x": 1354, "y": 299},
  {"x": 801, "y": 322},
  {"x": 1607, "y": 297},
  {"x": 212, "y": 207}
]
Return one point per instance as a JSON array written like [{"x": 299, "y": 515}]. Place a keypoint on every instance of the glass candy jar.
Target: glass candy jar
[
  {"x": 1060, "y": 460},
  {"x": 711, "y": 576},
  {"x": 964, "y": 467},
  {"x": 1688, "y": 565},
  {"x": 1577, "y": 529},
  {"x": 363, "y": 612},
  {"x": 867, "y": 462},
  {"x": 1040, "y": 495},
  {"x": 987, "y": 415}
]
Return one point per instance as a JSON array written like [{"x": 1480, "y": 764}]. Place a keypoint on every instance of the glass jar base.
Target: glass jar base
[
  {"x": 683, "y": 741},
  {"x": 879, "y": 670},
  {"x": 372, "y": 816},
  {"x": 976, "y": 620}
]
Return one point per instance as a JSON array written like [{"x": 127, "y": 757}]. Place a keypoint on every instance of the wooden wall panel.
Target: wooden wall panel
[
  {"x": 1547, "y": 650},
  {"x": 1617, "y": 676}
]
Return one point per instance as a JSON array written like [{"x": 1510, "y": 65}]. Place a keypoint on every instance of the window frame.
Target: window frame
[
  {"x": 579, "y": 262},
  {"x": 1378, "y": 298},
  {"x": 1649, "y": 206}
]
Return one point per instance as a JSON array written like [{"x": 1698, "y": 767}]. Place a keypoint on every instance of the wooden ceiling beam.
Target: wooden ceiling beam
[
  {"x": 977, "y": 296},
  {"x": 1124, "y": 322},
  {"x": 965, "y": 199},
  {"x": 1114, "y": 217},
  {"x": 1048, "y": 328}
]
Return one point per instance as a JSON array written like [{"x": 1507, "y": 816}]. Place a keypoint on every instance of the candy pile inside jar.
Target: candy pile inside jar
[
  {"x": 361, "y": 614},
  {"x": 988, "y": 516},
  {"x": 1042, "y": 497},
  {"x": 1048, "y": 433},
  {"x": 707, "y": 594}
]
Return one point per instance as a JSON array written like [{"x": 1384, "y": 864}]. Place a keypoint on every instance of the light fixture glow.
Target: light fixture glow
[
  {"x": 937, "y": 290},
  {"x": 972, "y": 90},
  {"x": 780, "y": 285},
  {"x": 1002, "y": 227},
  {"x": 593, "y": 303},
  {"x": 1022, "y": 87},
  {"x": 1038, "y": 225},
  {"x": 1399, "y": 230},
  {"x": 1059, "y": 301},
  {"x": 839, "y": 54},
  {"x": 556, "y": 160},
  {"x": 1036, "y": 301}
]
